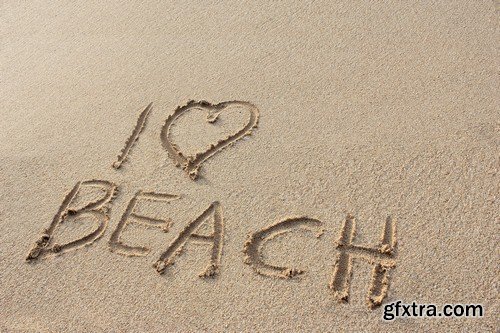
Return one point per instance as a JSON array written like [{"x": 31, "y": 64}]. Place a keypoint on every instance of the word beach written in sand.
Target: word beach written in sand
[
  {"x": 77, "y": 206},
  {"x": 381, "y": 257}
]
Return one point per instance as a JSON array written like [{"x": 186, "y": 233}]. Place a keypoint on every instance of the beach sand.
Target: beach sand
[{"x": 313, "y": 139}]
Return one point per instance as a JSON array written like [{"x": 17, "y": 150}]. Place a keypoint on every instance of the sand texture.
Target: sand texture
[{"x": 247, "y": 165}]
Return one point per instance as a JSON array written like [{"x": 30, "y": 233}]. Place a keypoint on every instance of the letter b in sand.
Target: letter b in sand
[
  {"x": 96, "y": 209},
  {"x": 381, "y": 258}
]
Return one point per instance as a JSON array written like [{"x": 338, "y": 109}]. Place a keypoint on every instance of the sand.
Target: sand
[{"x": 302, "y": 164}]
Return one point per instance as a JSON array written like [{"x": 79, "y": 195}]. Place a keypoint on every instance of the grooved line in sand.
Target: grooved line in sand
[
  {"x": 382, "y": 259},
  {"x": 115, "y": 244},
  {"x": 191, "y": 164},
  {"x": 141, "y": 121},
  {"x": 256, "y": 241},
  {"x": 97, "y": 209},
  {"x": 215, "y": 239}
]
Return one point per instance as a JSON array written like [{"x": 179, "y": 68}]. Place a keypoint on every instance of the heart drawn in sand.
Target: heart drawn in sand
[{"x": 192, "y": 163}]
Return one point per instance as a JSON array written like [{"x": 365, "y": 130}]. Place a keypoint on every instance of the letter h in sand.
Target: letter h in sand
[{"x": 382, "y": 259}]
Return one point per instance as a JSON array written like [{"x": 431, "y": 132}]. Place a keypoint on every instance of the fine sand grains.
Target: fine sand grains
[{"x": 282, "y": 165}]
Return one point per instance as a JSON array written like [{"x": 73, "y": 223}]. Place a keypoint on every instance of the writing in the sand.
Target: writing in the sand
[
  {"x": 191, "y": 164},
  {"x": 76, "y": 205}
]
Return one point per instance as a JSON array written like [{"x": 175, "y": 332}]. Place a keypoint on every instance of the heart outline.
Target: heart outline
[{"x": 191, "y": 164}]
